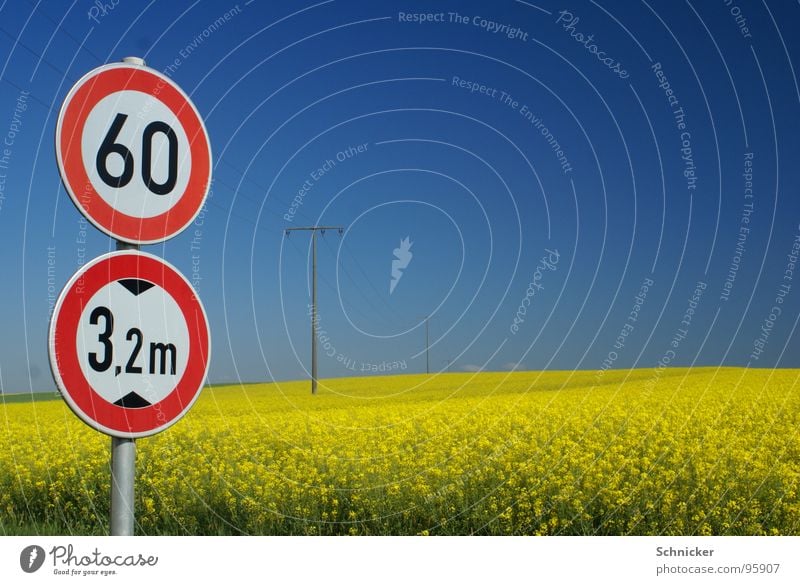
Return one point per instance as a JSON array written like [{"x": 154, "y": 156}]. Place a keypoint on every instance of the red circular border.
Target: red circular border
[
  {"x": 88, "y": 93},
  {"x": 110, "y": 418}
]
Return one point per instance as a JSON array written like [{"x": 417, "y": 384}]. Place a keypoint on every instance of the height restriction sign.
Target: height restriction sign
[
  {"x": 129, "y": 344},
  {"x": 133, "y": 153}
]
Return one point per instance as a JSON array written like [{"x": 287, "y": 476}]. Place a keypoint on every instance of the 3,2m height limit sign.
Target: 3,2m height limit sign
[
  {"x": 129, "y": 344},
  {"x": 133, "y": 153}
]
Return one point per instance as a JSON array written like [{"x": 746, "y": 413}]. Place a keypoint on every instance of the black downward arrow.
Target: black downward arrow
[{"x": 136, "y": 285}]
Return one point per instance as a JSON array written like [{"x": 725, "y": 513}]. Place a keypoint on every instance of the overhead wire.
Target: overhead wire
[{"x": 238, "y": 192}]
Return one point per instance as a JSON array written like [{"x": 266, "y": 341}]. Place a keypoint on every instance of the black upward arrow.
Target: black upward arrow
[{"x": 132, "y": 400}]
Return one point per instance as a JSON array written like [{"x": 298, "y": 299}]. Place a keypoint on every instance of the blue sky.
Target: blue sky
[{"x": 542, "y": 175}]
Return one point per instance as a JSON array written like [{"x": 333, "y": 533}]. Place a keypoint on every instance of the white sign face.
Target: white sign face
[
  {"x": 133, "y": 153},
  {"x": 153, "y": 135},
  {"x": 134, "y": 342}
]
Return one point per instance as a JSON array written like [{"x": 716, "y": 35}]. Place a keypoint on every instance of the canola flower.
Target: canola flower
[{"x": 700, "y": 451}]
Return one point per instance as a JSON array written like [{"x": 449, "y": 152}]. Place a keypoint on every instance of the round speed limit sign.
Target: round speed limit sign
[{"x": 133, "y": 153}]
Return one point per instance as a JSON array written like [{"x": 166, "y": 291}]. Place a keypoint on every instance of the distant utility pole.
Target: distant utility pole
[
  {"x": 427, "y": 344},
  {"x": 314, "y": 229}
]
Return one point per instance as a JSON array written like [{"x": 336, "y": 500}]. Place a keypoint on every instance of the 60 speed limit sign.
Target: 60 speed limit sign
[
  {"x": 129, "y": 344},
  {"x": 133, "y": 153}
]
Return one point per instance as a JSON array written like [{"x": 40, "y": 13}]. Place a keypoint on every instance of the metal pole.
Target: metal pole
[
  {"x": 123, "y": 476},
  {"x": 314, "y": 312},
  {"x": 314, "y": 229},
  {"x": 123, "y": 471},
  {"x": 427, "y": 347}
]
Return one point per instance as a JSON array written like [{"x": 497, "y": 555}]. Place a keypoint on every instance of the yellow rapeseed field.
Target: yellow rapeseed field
[{"x": 701, "y": 451}]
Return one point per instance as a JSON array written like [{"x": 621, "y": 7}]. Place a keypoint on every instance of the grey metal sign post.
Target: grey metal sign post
[
  {"x": 123, "y": 471},
  {"x": 123, "y": 477}
]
